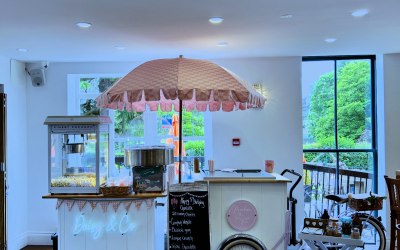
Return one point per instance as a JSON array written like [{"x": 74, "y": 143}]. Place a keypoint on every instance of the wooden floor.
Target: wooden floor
[{"x": 38, "y": 248}]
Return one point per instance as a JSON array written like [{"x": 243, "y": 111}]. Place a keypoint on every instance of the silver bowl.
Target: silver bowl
[{"x": 149, "y": 156}]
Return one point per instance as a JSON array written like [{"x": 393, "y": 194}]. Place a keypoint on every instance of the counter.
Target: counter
[
  {"x": 100, "y": 196},
  {"x": 248, "y": 203},
  {"x": 234, "y": 177},
  {"x": 97, "y": 222}
]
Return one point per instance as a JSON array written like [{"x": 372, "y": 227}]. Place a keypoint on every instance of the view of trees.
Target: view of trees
[
  {"x": 353, "y": 112},
  {"x": 192, "y": 126}
]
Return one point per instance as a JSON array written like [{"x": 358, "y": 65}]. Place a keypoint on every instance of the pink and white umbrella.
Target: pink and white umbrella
[{"x": 180, "y": 83}]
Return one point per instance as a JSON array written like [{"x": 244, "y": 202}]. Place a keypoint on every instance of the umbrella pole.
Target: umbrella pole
[{"x": 180, "y": 141}]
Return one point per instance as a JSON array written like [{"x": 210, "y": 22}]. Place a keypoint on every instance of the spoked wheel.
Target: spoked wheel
[
  {"x": 242, "y": 242},
  {"x": 372, "y": 234}
]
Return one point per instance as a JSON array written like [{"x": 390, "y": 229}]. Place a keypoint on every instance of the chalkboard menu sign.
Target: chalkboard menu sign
[{"x": 188, "y": 223}]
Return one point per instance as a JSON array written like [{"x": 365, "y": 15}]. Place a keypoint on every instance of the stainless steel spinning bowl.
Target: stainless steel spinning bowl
[{"x": 149, "y": 156}]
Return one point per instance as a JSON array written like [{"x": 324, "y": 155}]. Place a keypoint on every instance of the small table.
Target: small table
[{"x": 314, "y": 239}]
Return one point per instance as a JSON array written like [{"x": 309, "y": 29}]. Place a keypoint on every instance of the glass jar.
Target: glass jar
[
  {"x": 355, "y": 233},
  {"x": 346, "y": 225}
]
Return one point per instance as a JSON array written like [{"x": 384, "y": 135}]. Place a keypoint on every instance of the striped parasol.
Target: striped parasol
[{"x": 180, "y": 83}]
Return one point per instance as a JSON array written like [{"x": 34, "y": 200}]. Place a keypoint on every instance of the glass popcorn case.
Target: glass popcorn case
[{"x": 78, "y": 153}]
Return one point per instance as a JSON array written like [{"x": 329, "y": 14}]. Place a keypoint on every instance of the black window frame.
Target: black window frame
[{"x": 337, "y": 150}]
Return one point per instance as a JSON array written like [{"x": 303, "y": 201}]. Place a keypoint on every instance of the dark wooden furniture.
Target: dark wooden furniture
[{"x": 393, "y": 186}]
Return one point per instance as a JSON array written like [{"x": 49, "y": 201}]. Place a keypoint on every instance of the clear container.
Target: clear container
[
  {"x": 355, "y": 233},
  {"x": 346, "y": 225},
  {"x": 78, "y": 153}
]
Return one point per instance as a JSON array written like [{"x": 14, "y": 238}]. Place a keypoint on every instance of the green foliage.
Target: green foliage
[
  {"x": 122, "y": 120},
  {"x": 105, "y": 83},
  {"x": 85, "y": 84},
  {"x": 194, "y": 148},
  {"x": 352, "y": 160},
  {"x": 353, "y": 101},
  {"x": 353, "y": 104},
  {"x": 356, "y": 160},
  {"x": 192, "y": 124},
  {"x": 321, "y": 117},
  {"x": 89, "y": 108},
  {"x": 353, "y": 115}
]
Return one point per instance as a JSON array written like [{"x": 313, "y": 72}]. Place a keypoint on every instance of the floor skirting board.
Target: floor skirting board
[{"x": 40, "y": 238}]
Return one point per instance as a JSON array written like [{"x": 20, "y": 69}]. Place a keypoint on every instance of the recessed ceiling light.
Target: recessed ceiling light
[
  {"x": 222, "y": 44},
  {"x": 330, "y": 40},
  {"x": 216, "y": 20},
  {"x": 118, "y": 47},
  {"x": 360, "y": 13},
  {"x": 84, "y": 25},
  {"x": 286, "y": 16},
  {"x": 22, "y": 50}
]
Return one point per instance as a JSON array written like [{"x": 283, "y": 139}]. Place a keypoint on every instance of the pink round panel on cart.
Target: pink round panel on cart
[{"x": 241, "y": 215}]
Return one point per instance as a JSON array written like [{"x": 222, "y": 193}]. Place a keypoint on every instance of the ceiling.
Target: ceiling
[{"x": 138, "y": 30}]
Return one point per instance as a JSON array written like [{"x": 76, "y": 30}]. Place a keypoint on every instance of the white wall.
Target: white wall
[
  {"x": 15, "y": 88},
  {"x": 391, "y": 77},
  {"x": 274, "y": 132},
  {"x": 390, "y": 156}
]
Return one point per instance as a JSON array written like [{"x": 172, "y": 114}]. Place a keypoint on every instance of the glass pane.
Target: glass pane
[
  {"x": 104, "y": 154},
  {"x": 120, "y": 144},
  {"x": 130, "y": 124},
  {"x": 95, "y": 85},
  {"x": 88, "y": 107},
  {"x": 166, "y": 122},
  {"x": 356, "y": 172},
  {"x": 354, "y": 104},
  {"x": 319, "y": 176},
  {"x": 318, "y": 104},
  {"x": 88, "y": 85},
  {"x": 193, "y": 123}
]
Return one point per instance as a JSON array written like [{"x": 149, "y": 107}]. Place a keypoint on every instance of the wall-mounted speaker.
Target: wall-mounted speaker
[{"x": 37, "y": 77}]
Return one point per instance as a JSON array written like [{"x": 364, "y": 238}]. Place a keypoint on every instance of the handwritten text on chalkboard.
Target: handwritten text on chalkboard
[{"x": 188, "y": 220}]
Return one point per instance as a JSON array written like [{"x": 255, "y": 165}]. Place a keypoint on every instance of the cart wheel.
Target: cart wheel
[{"x": 242, "y": 242}]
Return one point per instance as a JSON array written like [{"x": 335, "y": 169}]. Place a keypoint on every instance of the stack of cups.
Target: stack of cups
[
  {"x": 171, "y": 174},
  {"x": 211, "y": 165}
]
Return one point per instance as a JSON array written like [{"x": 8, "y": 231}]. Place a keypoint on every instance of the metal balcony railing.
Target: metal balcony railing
[{"x": 321, "y": 180}]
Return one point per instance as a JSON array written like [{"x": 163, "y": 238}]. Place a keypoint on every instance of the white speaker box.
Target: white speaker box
[{"x": 37, "y": 77}]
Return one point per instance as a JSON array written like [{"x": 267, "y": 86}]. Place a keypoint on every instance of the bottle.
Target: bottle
[
  {"x": 356, "y": 223},
  {"x": 355, "y": 233},
  {"x": 196, "y": 164},
  {"x": 325, "y": 215},
  {"x": 346, "y": 225}
]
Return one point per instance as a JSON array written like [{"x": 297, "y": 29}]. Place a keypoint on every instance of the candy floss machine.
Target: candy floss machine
[
  {"x": 78, "y": 153},
  {"x": 149, "y": 167}
]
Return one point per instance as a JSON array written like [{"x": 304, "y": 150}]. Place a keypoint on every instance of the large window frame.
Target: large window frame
[{"x": 337, "y": 150}]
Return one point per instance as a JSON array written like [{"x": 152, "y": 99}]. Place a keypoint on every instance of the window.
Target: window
[
  {"x": 137, "y": 128},
  {"x": 338, "y": 127}
]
